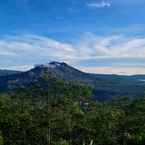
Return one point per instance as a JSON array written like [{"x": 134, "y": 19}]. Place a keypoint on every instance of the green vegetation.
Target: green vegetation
[
  {"x": 1, "y": 139},
  {"x": 61, "y": 113}
]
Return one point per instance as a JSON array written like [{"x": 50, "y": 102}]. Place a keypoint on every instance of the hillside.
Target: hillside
[
  {"x": 8, "y": 72},
  {"x": 62, "y": 113}
]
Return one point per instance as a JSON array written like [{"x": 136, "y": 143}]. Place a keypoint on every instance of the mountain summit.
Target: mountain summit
[
  {"x": 60, "y": 70},
  {"x": 52, "y": 64}
]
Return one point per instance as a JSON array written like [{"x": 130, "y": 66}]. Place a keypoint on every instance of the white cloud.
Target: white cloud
[
  {"x": 90, "y": 46},
  {"x": 112, "y": 47},
  {"x": 126, "y": 70},
  {"x": 34, "y": 47},
  {"x": 27, "y": 50},
  {"x": 17, "y": 67},
  {"x": 101, "y": 4}
]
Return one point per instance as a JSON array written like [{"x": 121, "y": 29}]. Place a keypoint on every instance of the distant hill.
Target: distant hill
[
  {"x": 7, "y": 72},
  {"x": 105, "y": 87}
]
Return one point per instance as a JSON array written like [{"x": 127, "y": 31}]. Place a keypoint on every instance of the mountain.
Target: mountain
[
  {"x": 105, "y": 87},
  {"x": 7, "y": 72}
]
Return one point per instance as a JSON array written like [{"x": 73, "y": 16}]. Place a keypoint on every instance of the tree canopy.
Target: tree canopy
[{"x": 64, "y": 114}]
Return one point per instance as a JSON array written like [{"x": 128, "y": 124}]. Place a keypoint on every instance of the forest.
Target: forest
[{"x": 63, "y": 113}]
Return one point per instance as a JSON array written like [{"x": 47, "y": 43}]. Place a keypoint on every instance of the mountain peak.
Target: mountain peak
[
  {"x": 52, "y": 64},
  {"x": 56, "y": 63}
]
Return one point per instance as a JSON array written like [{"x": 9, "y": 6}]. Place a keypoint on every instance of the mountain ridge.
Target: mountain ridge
[
  {"x": 105, "y": 87},
  {"x": 4, "y": 72}
]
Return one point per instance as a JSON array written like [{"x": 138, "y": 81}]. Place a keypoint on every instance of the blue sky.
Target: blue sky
[{"x": 99, "y": 36}]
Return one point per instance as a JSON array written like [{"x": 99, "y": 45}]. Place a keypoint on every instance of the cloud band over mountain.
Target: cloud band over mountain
[{"x": 116, "y": 50}]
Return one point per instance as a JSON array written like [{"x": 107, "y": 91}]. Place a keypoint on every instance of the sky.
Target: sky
[{"x": 97, "y": 36}]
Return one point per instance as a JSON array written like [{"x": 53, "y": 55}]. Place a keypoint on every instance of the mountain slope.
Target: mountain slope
[
  {"x": 105, "y": 87},
  {"x": 7, "y": 72}
]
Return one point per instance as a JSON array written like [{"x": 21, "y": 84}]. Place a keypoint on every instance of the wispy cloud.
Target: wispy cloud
[
  {"x": 27, "y": 50},
  {"x": 126, "y": 70},
  {"x": 90, "y": 46},
  {"x": 101, "y": 4},
  {"x": 117, "y": 46}
]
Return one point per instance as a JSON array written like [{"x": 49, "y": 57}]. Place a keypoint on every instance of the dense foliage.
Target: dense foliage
[{"x": 63, "y": 114}]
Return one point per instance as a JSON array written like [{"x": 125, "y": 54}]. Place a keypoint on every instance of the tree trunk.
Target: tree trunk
[
  {"x": 91, "y": 142},
  {"x": 84, "y": 142}
]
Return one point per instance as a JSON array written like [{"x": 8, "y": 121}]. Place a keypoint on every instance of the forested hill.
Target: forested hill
[
  {"x": 105, "y": 87},
  {"x": 65, "y": 114}
]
